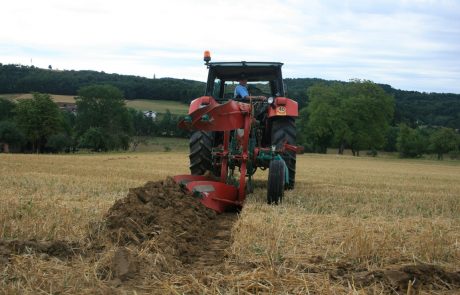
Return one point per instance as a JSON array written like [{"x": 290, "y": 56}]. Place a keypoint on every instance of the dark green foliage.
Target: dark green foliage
[
  {"x": 444, "y": 140},
  {"x": 334, "y": 114},
  {"x": 434, "y": 109},
  {"x": 103, "y": 121},
  {"x": 23, "y": 79},
  {"x": 411, "y": 107},
  {"x": 367, "y": 111},
  {"x": 142, "y": 125},
  {"x": 6, "y": 109},
  {"x": 167, "y": 126},
  {"x": 95, "y": 139},
  {"x": 59, "y": 142},
  {"x": 410, "y": 142},
  {"x": 38, "y": 118},
  {"x": 11, "y": 134},
  {"x": 323, "y": 116},
  {"x": 356, "y": 115},
  {"x": 391, "y": 138}
]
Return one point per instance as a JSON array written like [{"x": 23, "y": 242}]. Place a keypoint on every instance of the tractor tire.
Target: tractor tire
[
  {"x": 284, "y": 130},
  {"x": 275, "y": 189},
  {"x": 200, "y": 152}
]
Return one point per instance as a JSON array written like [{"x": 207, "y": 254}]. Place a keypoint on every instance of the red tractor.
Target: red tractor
[{"x": 231, "y": 138}]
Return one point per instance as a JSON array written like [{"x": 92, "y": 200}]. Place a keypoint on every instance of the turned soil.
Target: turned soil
[{"x": 185, "y": 233}]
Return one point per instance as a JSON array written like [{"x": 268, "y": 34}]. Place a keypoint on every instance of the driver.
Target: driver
[{"x": 241, "y": 92}]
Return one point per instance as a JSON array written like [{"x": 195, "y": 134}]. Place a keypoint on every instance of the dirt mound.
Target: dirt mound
[
  {"x": 160, "y": 228},
  {"x": 413, "y": 277},
  {"x": 160, "y": 211}
]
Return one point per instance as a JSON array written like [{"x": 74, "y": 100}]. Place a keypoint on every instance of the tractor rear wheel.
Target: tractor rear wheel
[
  {"x": 284, "y": 131},
  {"x": 276, "y": 176},
  {"x": 200, "y": 152}
]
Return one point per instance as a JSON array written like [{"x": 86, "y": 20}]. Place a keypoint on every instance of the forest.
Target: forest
[
  {"x": 356, "y": 115},
  {"x": 411, "y": 107}
]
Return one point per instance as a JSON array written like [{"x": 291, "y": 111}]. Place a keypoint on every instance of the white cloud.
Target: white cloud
[{"x": 408, "y": 44}]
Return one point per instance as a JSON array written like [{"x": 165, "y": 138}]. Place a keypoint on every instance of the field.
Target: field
[
  {"x": 159, "y": 106},
  {"x": 351, "y": 226}
]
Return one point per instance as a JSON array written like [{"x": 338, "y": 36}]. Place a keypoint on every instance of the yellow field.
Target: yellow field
[
  {"x": 348, "y": 220},
  {"x": 159, "y": 106}
]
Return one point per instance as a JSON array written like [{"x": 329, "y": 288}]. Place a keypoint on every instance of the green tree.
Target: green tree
[
  {"x": 391, "y": 138},
  {"x": 59, "y": 142},
  {"x": 444, "y": 140},
  {"x": 10, "y": 135},
  {"x": 367, "y": 111},
  {"x": 102, "y": 108},
  {"x": 95, "y": 139},
  {"x": 143, "y": 127},
  {"x": 410, "y": 142},
  {"x": 38, "y": 118},
  {"x": 323, "y": 115},
  {"x": 6, "y": 109},
  {"x": 356, "y": 114}
]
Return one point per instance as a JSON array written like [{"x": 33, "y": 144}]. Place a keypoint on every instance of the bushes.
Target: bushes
[
  {"x": 11, "y": 135},
  {"x": 59, "y": 142},
  {"x": 414, "y": 142}
]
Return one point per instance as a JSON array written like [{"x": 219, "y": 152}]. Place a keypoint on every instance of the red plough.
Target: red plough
[{"x": 231, "y": 140}]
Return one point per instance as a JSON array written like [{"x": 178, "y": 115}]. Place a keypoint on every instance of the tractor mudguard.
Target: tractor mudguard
[
  {"x": 217, "y": 117},
  {"x": 201, "y": 102},
  {"x": 283, "y": 106}
]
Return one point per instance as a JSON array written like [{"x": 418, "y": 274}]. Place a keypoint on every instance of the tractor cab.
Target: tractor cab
[{"x": 264, "y": 78}]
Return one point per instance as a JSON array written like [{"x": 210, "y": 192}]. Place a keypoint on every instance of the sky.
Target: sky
[{"x": 409, "y": 44}]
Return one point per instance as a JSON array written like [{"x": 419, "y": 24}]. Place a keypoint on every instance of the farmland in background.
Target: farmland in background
[
  {"x": 351, "y": 225},
  {"x": 159, "y": 106}
]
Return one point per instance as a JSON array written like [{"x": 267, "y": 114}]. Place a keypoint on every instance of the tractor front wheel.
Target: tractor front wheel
[{"x": 276, "y": 176}]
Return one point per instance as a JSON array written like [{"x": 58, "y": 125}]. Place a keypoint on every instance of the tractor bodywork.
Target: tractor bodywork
[{"x": 231, "y": 139}]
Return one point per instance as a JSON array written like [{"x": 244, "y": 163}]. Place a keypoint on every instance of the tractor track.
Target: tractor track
[{"x": 216, "y": 243}]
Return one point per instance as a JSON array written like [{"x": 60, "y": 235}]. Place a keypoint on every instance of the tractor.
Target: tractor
[{"x": 231, "y": 137}]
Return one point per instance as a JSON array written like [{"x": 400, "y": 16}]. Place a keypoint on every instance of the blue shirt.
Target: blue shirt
[{"x": 241, "y": 91}]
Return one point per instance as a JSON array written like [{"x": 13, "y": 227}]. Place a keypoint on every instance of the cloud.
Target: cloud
[{"x": 408, "y": 44}]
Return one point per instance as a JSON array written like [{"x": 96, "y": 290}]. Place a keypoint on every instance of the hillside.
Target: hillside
[
  {"x": 412, "y": 107},
  {"x": 23, "y": 79}
]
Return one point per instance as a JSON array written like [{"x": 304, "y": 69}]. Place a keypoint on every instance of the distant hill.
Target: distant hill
[
  {"x": 24, "y": 79},
  {"x": 412, "y": 107}
]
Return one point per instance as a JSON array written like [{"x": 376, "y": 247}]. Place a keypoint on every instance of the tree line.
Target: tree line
[
  {"x": 411, "y": 107},
  {"x": 102, "y": 123},
  {"x": 357, "y": 115},
  {"x": 360, "y": 115}
]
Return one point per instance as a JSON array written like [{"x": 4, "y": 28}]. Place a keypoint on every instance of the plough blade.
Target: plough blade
[
  {"x": 215, "y": 195},
  {"x": 186, "y": 178}
]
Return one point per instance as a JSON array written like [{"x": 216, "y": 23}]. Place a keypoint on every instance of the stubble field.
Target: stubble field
[{"x": 351, "y": 226}]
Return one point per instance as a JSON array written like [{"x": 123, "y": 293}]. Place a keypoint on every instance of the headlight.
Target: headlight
[{"x": 270, "y": 100}]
